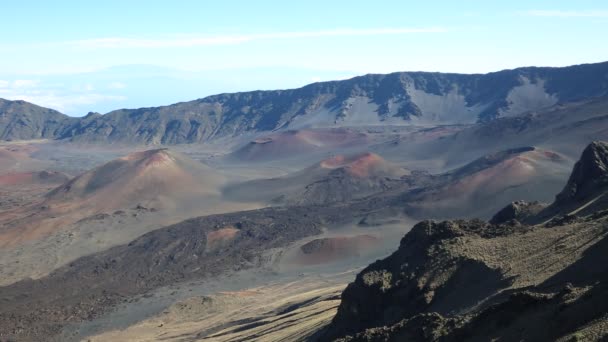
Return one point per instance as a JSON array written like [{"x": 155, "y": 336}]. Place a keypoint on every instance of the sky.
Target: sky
[{"x": 82, "y": 56}]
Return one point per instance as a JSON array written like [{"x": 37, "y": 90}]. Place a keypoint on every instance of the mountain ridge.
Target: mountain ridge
[{"x": 403, "y": 98}]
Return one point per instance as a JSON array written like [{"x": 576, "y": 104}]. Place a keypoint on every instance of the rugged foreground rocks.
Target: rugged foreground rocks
[{"x": 534, "y": 274}]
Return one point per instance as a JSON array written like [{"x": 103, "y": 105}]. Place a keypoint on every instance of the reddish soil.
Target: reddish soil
[
  {"x": 221, "y": 236},
  {"x": 326, "y": 250},
  {"x": 361, "y": 165}
]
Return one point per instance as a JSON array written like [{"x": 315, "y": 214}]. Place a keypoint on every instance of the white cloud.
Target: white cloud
[
  {"x": 54, "y": 95},
  {"x": 568, "y": 14},
  {"x": 64, "y": 103},
  {"x": 117, "y": 85},
  {"x": 192, "y": 41},
  {"x": 25, "y": 83}
]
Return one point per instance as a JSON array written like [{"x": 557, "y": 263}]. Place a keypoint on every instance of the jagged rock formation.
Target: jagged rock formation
[
  {"x": 584, "y": 193},
  {"x": 421, "y": 276},
  {"x": 476, "y": 281},
  {"x": 402, "y": 98}
]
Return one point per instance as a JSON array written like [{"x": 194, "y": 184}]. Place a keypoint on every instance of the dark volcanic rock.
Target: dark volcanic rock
[
  {"x": 519, "y": 211},
  {"x": 586, "y": 188},
  {"x": 422, "y": 327},
  {"x": 590, "y": 175},
  {"x": 422, "y": 275}
]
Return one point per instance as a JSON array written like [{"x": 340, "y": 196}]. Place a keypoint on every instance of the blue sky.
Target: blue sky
[{"x": 80, "y": 56}]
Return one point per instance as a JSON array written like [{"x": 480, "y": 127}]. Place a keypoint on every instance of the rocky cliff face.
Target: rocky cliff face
[
  {"x": 397, "y": 98},
  {"x": 585, "y": 191},
  {"x": 422, "y": 275},
  {"x": 470, "y": 280},
  {"x": 589, "y": 177}
]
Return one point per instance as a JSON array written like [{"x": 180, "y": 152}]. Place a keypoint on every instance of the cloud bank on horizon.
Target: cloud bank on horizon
[{"x": 95, "y": 57}]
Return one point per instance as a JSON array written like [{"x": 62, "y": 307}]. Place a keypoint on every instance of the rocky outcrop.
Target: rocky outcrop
[
  {"x": 422, "y": 327},
  {"x": 589, "y": 177},
  {"x": 585, "y": 191},
  {"x": 518, "y": 211},
  {"x": 475, "y": 281},
  {"x": 425, "y": 274}
]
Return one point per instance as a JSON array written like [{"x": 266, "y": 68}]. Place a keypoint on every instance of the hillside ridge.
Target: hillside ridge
[{"x": 401, "y": 98}]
